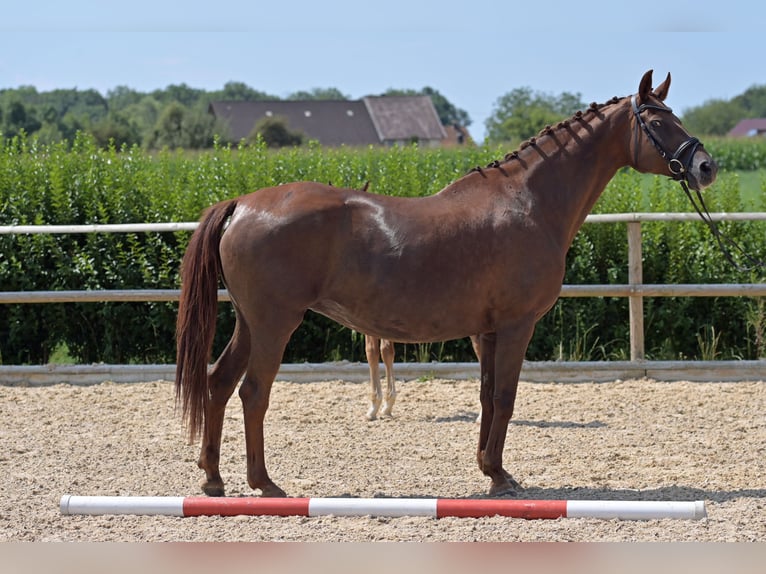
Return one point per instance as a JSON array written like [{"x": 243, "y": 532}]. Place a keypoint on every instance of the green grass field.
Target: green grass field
[{"x": 753, "y": 188}]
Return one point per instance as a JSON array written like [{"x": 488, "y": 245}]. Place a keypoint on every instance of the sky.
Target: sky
[{"x": 471, "y": 51}]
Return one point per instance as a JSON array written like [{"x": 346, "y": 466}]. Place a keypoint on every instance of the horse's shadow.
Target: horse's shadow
[
  {"x": 676, "y": 493},
  {"x": 470, "y": 416}
]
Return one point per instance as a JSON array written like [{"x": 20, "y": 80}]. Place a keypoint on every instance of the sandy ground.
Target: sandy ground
[{"x": 624, "y": 440}]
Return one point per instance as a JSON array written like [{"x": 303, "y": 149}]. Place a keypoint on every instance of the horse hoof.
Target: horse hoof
[
  {"x": 514, "y": 485},
  {"x": 213, "y": 489},
  {"x": 272, "y": 491},
  {"x": 372, "y": 412},
  {"x": 507, "y": 489}
]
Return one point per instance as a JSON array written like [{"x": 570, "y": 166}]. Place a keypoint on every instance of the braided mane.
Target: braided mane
[{"x": 579, "y": 116}]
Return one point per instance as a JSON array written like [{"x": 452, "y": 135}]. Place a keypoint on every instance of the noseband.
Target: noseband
[{"x": 677, "y": 167}]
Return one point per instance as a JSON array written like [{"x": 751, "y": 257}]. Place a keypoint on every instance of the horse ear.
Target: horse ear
[
  {"x": 661, "y": 91},
  {"x": 645, "y": 87}
]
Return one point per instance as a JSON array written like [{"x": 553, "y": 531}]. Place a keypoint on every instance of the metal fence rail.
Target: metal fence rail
[
  {"x": 642, "y": 290},
  {"x": 635, "y": 291},
  {"x": 531, "y": 371}
]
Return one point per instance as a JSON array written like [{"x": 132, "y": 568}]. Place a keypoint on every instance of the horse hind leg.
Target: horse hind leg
[
  {"x": 372, "y": 350},
  {"x": 387, "y": 354},
  {"x": 476, "y": 344},
  {"x": 268, "y": 342},
  {"x": 221, "y": 381}
]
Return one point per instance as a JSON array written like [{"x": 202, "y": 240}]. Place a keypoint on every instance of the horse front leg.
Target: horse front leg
[
  {"x": 486, "y": 392},
  {"x": 372, "y": 350},
  {"x": 387, "y": 354},
  {"x": 221, "y": 381},
  {"x": 502, "y": 355}
]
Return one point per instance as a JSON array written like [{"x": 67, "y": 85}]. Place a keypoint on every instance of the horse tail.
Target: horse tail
[{"x": 197, "y": 313}]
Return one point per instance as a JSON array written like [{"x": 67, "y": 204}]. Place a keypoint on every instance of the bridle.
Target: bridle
[
  {"x": 677, "y": 167},
  {"x": 679, "y": 170}
]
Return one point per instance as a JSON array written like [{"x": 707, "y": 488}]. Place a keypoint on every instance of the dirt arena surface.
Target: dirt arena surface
[{"x": 623, "y": 440}]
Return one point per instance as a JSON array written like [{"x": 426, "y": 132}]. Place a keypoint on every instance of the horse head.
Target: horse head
[{"x": 666, "y": 148}]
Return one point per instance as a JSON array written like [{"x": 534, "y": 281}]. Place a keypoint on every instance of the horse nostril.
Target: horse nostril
[
  {"x": 708, "y": 170},
  {"x": 709, "y": 167}
]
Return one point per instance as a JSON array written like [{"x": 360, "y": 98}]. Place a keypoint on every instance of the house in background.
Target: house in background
[
  {"x": 373, "y": 120},
  {"x": 457, "y": 135},
  {"x": 404, "y": 119},
  {"x": 749, "y": 127}
]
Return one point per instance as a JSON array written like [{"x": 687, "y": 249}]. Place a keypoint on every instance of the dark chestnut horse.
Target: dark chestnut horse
[{"x": 485, "y": 255}]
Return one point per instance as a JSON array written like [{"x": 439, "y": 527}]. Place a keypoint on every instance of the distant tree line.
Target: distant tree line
[
  {"x": 522, "y": 113},
  {"x": 174, "y": 117},
  {"x": 177, "y": 116},
  {"x": 716, "y": 117}
]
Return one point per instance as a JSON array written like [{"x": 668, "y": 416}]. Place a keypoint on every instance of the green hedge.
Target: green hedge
[
  {"x": 84, "y": 184},
  {"x": 738, "y": 154}
]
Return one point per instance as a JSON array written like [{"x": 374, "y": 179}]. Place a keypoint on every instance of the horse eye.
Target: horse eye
[{"x": 656, "y": 123}]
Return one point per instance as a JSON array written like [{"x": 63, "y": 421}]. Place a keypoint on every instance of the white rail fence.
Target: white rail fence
[{"x": 635, "y": 291}]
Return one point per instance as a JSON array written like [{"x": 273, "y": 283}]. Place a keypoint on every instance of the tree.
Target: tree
[
  {"x": 448, "y": 113},
  {"x": 117, "y": 129},
  {"x": 19, "y": 118},
  {"x": 143, "y": 115},
  {"x": 753, "y": 100},
  {"x": 718, "y": 117},
  {"x": 522, "y": 113},
  {"x": 169, "y": 130},
  {"x": 179, "y": 126},
  {"x": 239, "y": 91},
  {"x": 180, "y": 93},
  {"x": 201, "y": 127},
  {"x": 121, "y": 97},
  {"x": 275, "y": 133},
  {"x": 713, "y": 118},
  {"x": 87, "y": 105},
  {"x": 319, "y": 94},
  {"x": 70, "y": 125},
  {"x": 49, "y": 133}
]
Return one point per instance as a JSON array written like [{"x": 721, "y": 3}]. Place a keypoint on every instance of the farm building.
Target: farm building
[
  {"x": 749, "y": 127},
  {"x": 373, "y": 120}
]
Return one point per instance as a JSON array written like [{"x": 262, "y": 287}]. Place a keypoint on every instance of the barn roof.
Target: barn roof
[
  {"x": 371, "y": 120},
  {"x": 404, "y": 118},
  {"x": 331, "y": 122}
]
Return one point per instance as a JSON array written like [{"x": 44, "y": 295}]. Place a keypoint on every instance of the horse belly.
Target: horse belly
[
  {"x": 440, "y": 310},
  {"x": 393, "y": 329},
  {"x": 408, "y": 317}
]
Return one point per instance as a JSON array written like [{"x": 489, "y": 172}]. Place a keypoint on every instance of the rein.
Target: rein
[
  {"x": 679, "y": 171},
  {"x": 724, "y": 241}
]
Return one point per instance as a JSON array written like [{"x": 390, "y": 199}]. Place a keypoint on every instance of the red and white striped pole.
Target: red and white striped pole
[{"x": 389, "y": 507}]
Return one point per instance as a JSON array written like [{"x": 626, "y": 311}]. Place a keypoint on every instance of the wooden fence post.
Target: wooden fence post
[{"x": 636, "y": 301}]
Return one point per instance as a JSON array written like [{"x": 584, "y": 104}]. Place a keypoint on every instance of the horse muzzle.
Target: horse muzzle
[{"x": 702, "y": 171}]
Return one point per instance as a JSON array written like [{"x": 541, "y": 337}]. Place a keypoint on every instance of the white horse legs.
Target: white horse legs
[
  {"x": 374, "y": 348},
  {"x": 384, "y": 349}
]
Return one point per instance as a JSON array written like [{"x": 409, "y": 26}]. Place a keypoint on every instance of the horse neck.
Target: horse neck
[{"x": 575, "y": 161}]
